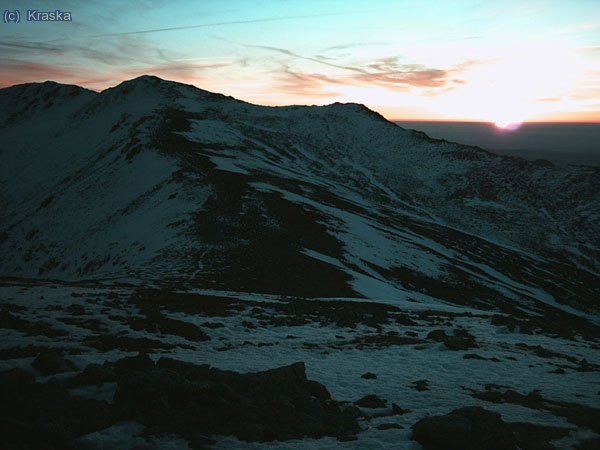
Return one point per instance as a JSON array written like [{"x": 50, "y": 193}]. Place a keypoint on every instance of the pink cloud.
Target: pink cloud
[{"x": 18, "y": 72}]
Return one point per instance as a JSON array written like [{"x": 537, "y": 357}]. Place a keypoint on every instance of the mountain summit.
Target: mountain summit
[{"x": 157, "y": 181}]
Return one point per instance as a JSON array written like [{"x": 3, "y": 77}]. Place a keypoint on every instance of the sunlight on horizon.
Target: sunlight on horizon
[{"x": 509, "y": 126}]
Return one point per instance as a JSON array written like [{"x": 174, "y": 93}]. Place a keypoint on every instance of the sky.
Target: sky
[{"x": 498, "y": 61}]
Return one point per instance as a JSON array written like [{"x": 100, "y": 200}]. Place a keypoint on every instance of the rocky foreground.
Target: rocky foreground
[
  {"x": 121, "y": 367},
  {"x": 169, "y": 396}
]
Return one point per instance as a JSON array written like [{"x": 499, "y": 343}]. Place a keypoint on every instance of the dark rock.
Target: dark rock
[
  {"x": 213, "y": 325},
  {"x": 404, "y": 319},
  {"x": 371, "y": 401},
  {"x": 421, "y": 385},
  {"x": 369, "y": 376},
  {"x": 249, "y": 325},
  {"x": 39, "y": 435},
  {"x": 352, "y": 411},
  {"x": 531, "y": 436},
  {"x": 460, "y": 340},
  {"x": 93, "y": 374},
  {"x": 585, "y": 366},
  {"x": 543, "y": 352},
  {"x": 589, "y": 444},
  {"x": 344, "y": 314},
  {"x": 76, "y": 309},
  {"x": 187, "y": 369},
  {"x": 468, "y": 428},
  {"x": 107, "y": 342},
  {"x": 479, "y": 357},
  {"x": 347, "y": 438},
  {"x": 145, "y": 396},
  {"x": 94, "y": 325},
  {"x": 29, "y": 328},
  {"x": 581, "y": 415},
  {"x": 197, "y": 443},
  {"x": 183, "y": 398},
  {"x": 140, "y": 362},
  {"x": 44, "y": 416},
  {"x": 17, "y": 380},
  {"x": 437, "y": 335},
  {"x": 197, "y": 304},
  {"x": 389, "y": 426},
  {"x": 398, "y": 411},
  {"x": 156, "y": 322},
  {"x": 317, "y": 390},
  {"x": 49, "y": 362},
  {"x": 379, "y": 340},
  {"x": 511, "y": 323},
  {"x": 21, "y": 352}
]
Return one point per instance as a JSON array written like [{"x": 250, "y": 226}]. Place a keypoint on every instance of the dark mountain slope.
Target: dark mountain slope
[{"x": 162, "y": 182}]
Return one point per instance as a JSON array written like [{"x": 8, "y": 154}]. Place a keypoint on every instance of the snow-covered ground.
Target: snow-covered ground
[{"x": 256, "y": 333}]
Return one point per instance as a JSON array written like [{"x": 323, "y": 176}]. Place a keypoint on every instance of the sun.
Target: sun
[
  {"x": 505, "y": 118},
  {"x": 507, "y": 124}
]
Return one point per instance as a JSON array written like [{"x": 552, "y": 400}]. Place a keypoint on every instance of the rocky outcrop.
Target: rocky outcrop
[
  {"x": 475, "y": 428},
  {"x": 371, "y": 401},
  {"x": 469, "y": 428},
  {"x": 460, "y": 340},
  {"x": 171, "y": 396},
  {"x": 49, "y": 362},
  {"x": 278, "y": 404}
]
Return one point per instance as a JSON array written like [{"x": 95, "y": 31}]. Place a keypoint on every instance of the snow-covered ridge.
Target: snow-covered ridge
[{"x": 162, "y": 182}]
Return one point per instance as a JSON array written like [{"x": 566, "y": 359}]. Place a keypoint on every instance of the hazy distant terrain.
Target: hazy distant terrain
[{"x": 560, "y": 143}]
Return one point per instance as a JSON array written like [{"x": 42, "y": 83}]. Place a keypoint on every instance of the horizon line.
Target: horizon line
[{"x": 492, "y": 122}]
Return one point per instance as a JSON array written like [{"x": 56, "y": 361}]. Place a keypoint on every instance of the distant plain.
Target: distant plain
[{"x": 560, "y": 143}]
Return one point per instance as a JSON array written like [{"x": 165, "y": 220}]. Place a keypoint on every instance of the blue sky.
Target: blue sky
[{"x": 500, "y": 61}]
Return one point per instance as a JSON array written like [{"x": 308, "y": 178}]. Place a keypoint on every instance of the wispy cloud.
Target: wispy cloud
[
  {"x": 124, "y": 50},
  {"x": 306, "y": 84},
  {"x": 209, "y": 25},
  {"x": 549, "y": 99},
  {"x": 308, "y": 58},
  {"x": 388, "y": 72},
  {"x": 392, "y": 72},
  {"x": 351, "y": 45},
  {"x": 97, "y": 66},
  {"x": 19, "y": 46},
  {"x": 16, "y": 72}
]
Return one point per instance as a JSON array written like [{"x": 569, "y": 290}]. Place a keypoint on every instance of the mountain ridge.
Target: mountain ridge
[
  {"x": 176, "y": 184},
  {"x": 152, "y": 80}
]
